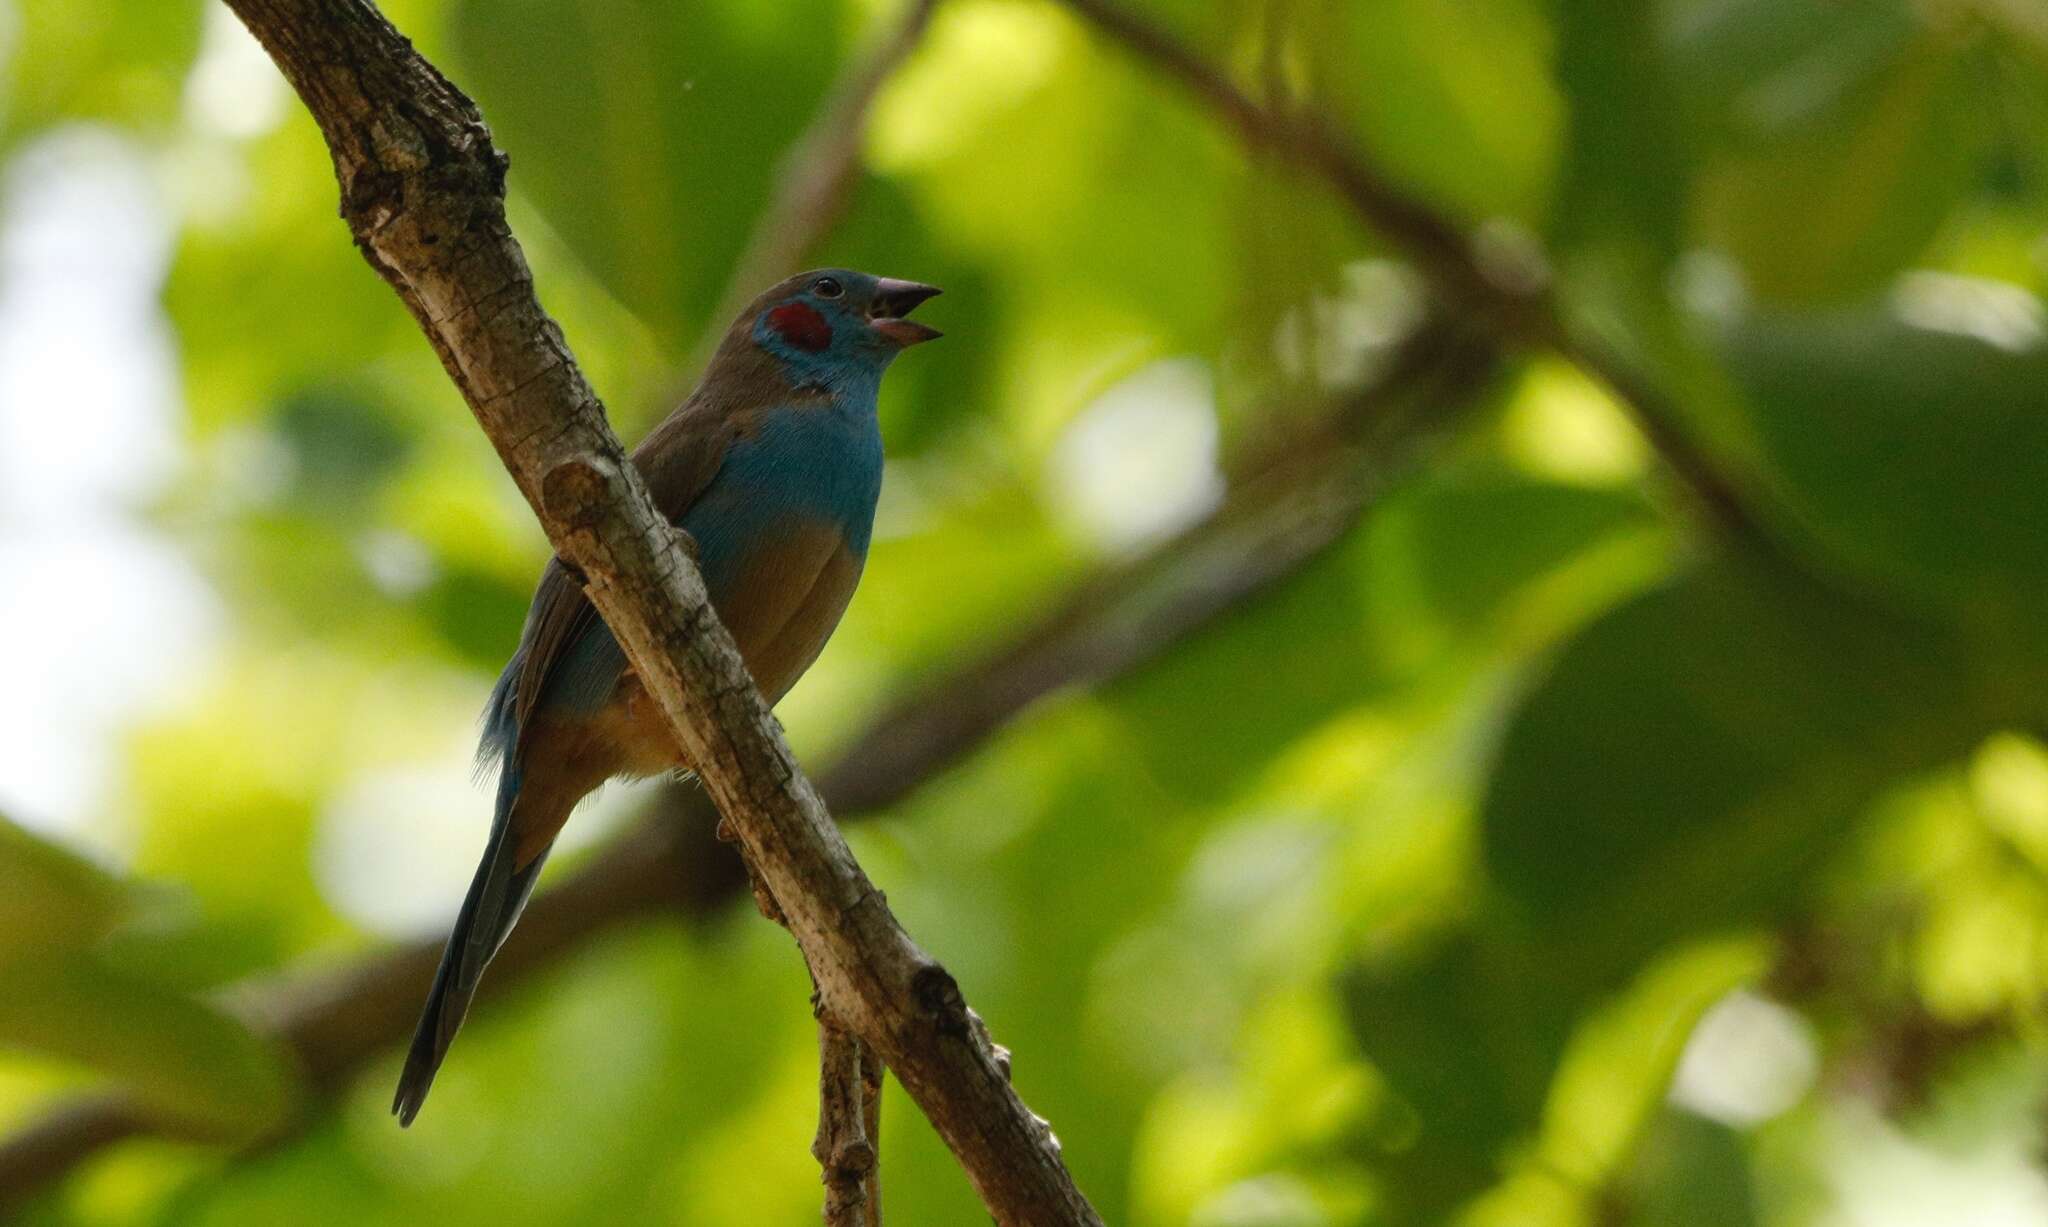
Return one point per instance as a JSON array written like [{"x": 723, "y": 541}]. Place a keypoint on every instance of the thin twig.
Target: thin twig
[
  {"x": 871, "y": 1073},
  {"x": 845, "y": 1150}
]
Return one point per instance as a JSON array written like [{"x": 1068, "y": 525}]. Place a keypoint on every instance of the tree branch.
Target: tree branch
[
  {"x": 1287, "y": 503},
  {"x": 422, "y": 190},
  {"x": 1512, "y": 296}
]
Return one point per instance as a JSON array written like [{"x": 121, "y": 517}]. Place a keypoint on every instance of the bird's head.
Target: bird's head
[{"x": 834, "y": 327}]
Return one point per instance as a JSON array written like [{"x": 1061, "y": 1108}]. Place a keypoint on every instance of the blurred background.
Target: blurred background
[{"x": 1367, "y": 772}]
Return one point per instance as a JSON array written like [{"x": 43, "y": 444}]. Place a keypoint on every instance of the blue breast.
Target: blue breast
[
  {"x": 805, "y": 463},
  {"x": 808, "y": 462}
]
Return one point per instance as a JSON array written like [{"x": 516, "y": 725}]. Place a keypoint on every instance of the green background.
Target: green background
[{"x": 1533, "y": 855}]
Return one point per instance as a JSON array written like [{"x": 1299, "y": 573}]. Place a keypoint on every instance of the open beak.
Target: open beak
[{"x": 892, "y": 302}]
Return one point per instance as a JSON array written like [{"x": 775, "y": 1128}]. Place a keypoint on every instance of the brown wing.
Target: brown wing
[{"x": 678, "y": 459}]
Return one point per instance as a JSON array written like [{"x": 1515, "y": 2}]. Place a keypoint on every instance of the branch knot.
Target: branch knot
[
  {"x": 938, "y": 996},
  {"x": 578, "y": 490}
]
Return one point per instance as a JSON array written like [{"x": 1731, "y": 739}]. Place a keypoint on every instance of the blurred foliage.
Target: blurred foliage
[
  {"x": 68, "y": 996},
  {"x": 1528, "y": 858}
]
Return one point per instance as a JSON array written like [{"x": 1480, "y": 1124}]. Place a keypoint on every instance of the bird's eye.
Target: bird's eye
[{"x": 827, "y": 287}]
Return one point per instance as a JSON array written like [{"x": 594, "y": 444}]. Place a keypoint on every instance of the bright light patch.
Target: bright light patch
[
  {"x": 1710, "y": 284},
  {"x": 2009, "y": 783},
  {"x": 233, "y": 89},
  {"x": 86, "y": 364},
  {"x": 100, "y": 615},
  {"x": 1340, "y": 340},
  {"x": 1990, "y": 311},
  {"x": 1561, "y": 426},
  {"x": 1276, "y": 1199},
  {"x": 398, "y": 564},
  {"x": 979, "y": 59},
  {"x": 1140, "y": 462},
  {"x": 1879, "y": 1177},
  {"x": 1747, "y": 1061},
  {"x": 396, "y": 847}
]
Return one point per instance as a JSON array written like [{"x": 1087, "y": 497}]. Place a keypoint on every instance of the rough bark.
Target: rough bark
[{"x": 422, "y": 191}]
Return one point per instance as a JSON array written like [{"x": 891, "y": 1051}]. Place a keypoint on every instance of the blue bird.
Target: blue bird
[{"x": 772, "y": 466}]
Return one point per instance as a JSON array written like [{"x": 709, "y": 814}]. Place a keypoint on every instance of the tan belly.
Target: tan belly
[{"x": 781, "y": 616}]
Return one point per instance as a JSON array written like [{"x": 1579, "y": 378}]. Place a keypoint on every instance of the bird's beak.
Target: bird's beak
[{"x": 892, "y": 302}]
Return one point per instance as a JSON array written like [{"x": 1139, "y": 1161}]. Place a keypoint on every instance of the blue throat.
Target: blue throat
[
  {"x": 807, "y": 460},
  {"x": 817, "y": 462}
]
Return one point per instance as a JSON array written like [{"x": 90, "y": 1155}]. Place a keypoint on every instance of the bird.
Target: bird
[{"x": 772, "y": 466}]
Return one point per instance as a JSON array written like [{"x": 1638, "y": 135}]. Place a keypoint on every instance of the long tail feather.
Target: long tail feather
[{"x": 496, "y": 897}]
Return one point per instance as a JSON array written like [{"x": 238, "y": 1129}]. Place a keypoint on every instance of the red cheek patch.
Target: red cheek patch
[{"x": 801, "y": 326}]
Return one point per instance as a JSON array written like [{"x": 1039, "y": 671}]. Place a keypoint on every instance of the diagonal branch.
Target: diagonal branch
[
  {"x": 422, "y": 190},
  {"x": 1287, "y": 503},
  {"x": 1512, "y": 296}
]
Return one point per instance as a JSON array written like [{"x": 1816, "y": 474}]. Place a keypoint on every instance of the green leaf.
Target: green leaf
[
  {"x": 1916, "y": 457},
  {"x": 1691, "y": 1170},
  {"x": 1750, "y": 69},
  {"x": 184, "y": 1061},
  {"x": 1836, "y": 166},
  {"x": 648, "y": 132},
  {"x": 1129, "y": 193},
  {"x": 1698, "y": 749},
  {"x": 1205, "y": 717},
  {"x": 1820, "y": 145},
  {"x": 1540, "y": 1064},
  {"x": 477, "y": 612},
  {"x": 122, "y": 60},
  {"x": 50, "y": 897},
  {"x": 1475, "y": 540},
  {"x": 1435, "y": 566},
  {"x": 343, "y": 444},
  {"x": 1466, "y": 1031},
  {"x": 1456, "y": 98},
  {"x": 1626, "y": 163}
]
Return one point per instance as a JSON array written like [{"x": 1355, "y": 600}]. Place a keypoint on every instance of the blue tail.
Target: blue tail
[{"x": 496, "y": 897}]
